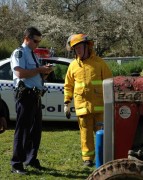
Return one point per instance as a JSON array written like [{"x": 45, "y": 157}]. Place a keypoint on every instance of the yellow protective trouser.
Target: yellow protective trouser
[{"x": 87, "y": 125}]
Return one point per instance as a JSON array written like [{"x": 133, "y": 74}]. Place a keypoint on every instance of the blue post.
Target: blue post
[{"x": 99, "y": 148}]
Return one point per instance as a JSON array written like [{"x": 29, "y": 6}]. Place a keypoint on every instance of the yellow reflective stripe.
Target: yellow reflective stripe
[
  {"x": 89, "y": 153},
  {"x": 82, "y": 84},
  {"x": 97, "y": 82},
  {"x": 77, "y": 84},
  {"x": 68, "y": 94},
  {"x": 98, "y": 108},
  {"x": 81, "y": 111}
]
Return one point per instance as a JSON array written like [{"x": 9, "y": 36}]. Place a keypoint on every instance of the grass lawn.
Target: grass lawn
[{"x": 59, "y": 152}]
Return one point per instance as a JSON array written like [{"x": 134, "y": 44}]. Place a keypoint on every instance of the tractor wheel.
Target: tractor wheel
[{"x": 119, "y": 169}]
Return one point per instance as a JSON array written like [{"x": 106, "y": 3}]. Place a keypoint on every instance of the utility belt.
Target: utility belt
[{"x": 22, "y": 91}]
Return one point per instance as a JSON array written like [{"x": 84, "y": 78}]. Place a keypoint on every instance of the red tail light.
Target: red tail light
[{"x": 42, "y": 52}]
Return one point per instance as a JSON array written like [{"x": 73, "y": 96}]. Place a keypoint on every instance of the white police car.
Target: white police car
[{"x": 53, "y": 99}]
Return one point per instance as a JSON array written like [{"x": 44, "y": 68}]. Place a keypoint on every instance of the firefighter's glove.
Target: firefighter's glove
[{"x": 67, "y": 110}]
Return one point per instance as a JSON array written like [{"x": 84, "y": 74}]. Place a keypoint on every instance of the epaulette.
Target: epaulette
[{"x": 18, "y": 53}]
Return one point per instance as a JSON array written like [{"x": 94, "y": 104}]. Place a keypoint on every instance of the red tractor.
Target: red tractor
[{"x": 123, "y": 130}]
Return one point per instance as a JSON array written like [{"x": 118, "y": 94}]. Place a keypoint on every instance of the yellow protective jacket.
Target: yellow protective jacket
[{"x": 83, "y": 81}]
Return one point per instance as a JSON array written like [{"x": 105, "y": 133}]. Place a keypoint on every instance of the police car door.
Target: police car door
[
  {"x": 55, "y": 94},
  {"x": 7, "y": 88}
]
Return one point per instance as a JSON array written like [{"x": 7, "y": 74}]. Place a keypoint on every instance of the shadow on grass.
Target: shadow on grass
[
  {"x": 70, "y": 174},
  {"x": 60, "y": 126},
  {"x": 52, "y": 125}
]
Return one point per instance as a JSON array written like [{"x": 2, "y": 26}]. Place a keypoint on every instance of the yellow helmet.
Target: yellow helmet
[{"x": 78, "y": 38}]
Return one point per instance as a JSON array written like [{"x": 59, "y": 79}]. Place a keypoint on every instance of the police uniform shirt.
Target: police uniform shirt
[{"x": 22, "y": 57}]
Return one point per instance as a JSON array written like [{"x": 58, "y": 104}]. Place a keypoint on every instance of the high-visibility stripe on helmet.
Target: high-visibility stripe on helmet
[
  {"x": 98, "y": 108},
  {"x": 89, "y": 153},
  {"x": 97, "y": 82}
]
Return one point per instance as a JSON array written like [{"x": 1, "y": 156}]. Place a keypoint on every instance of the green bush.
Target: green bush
[
  {"x": 126, "y": 68},
  {"x": 6, "y": 47}
]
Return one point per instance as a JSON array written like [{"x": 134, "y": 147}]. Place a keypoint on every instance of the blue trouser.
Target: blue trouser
[{"x": 28, "y": 129}]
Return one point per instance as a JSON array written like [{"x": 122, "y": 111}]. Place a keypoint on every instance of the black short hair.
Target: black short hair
[{"x": 31, "y": 31}]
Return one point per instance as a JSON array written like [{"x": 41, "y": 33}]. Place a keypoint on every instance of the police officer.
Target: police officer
[{"x": 28, "y": 78}]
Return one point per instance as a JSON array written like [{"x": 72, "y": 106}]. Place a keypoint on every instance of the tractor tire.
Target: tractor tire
[{"x": 119, "y": 169}]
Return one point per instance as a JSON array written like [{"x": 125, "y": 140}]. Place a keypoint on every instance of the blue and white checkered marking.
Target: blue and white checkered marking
[
  {"x": 4, "y": 85},
  {"x": 11, "y": 86},
  {"x": 60, "y": 88}
]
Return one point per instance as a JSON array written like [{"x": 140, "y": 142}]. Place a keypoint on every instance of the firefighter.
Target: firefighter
[{"x": 83, "y": 82}]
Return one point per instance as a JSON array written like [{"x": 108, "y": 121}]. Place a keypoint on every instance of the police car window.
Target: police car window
[
  {"x": 58, "y": 75},
  {"x": 5, "y": 72}
]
